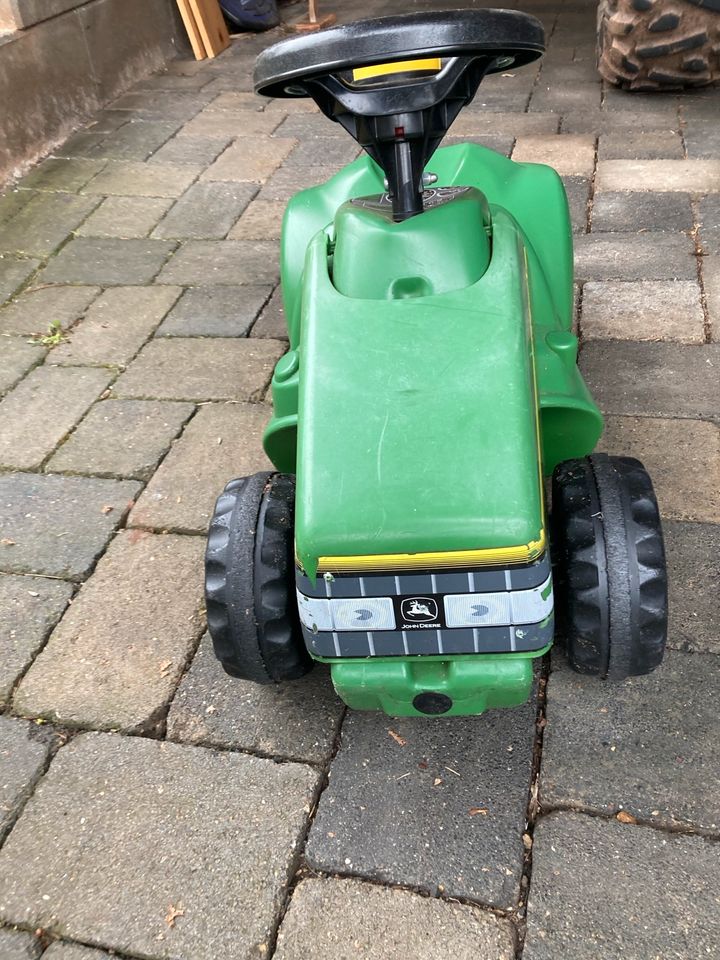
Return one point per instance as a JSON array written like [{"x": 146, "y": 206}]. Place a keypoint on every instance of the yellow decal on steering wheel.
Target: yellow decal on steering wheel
[{"x": 400, "y": 66}]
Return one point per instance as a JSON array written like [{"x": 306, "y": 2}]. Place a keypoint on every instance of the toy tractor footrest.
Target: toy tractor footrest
[{"x": 430, "y": 686}]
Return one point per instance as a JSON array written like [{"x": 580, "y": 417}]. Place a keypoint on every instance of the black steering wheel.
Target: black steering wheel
[
  {"x": 397, "y": 83},
  {"x": 502, "y": 38}
]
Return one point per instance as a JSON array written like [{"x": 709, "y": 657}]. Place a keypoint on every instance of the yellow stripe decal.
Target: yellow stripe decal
[
  {"x": 400, "y": 66},
  {"x": 491, "y": 556}
]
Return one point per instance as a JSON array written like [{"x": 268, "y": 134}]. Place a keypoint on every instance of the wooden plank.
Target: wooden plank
[
  {"x": 211, "y": 25},
  {"x": 193, "y": 33}
]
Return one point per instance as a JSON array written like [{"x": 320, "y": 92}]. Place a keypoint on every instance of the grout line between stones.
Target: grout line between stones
[
  {"x": 679, "y": 828},
  {"x": 533, "y": 806},
  {"x": 298, "y": 868},
  {"x": 308, "y": 871},
  {"x": 700, "y": 253}
]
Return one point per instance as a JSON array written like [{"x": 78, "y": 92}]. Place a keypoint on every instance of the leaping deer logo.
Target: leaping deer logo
[
  {"x": 420, "y": 608},
  {"x": 416, "y": 608}
]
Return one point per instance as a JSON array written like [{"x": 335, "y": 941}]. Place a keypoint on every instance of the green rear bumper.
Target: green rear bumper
[{"x": 472, "y": 684}]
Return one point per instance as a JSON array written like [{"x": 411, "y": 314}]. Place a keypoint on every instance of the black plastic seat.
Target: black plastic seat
[{"x": 509, "y": 37}]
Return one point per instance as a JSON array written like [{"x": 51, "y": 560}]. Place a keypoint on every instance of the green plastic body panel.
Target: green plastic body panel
[
  {"x": 419, "y": 404},
  {"x": 417, "y": 417},
  {"x": 416, "y": 258},
  {"x": 474, "y": 684},
  {"x": 534, "y": 196}
]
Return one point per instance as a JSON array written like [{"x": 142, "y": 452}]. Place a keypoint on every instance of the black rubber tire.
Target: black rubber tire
[
  {"x": 249, "y": 581},
  {"x": 659, "y": 44},
  {"x": 609, "y": 566}
]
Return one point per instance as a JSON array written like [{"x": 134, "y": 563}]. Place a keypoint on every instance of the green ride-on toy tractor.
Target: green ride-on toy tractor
[{"x": 430, "y": 386}]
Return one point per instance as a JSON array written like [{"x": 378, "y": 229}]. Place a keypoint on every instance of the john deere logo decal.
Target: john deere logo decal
[{"x": 419, "y": 609}]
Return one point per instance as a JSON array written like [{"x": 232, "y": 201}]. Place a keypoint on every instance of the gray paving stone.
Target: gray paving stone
[
  {"x": 33, "y": 312},
  {"x": 520, "y": 124},
  {"x": 80, "y": 144},
  {"x": 116, "y": 325},
  {"x": 709, "y": 208},
  {"x": 659, "y": 176},
  {"x": 43, "y": 224},
  {"x": 227, "y": 126},
  {"x": 200, "y": 151},
  {"x": 127, "y": 179},
  {"x": 73, "y": 951},
  {"x": 12, "y": 201},
  {"x": 572, "y": 155},
  {"x": 222, "y": 441},
  {"x": 601, "y": 122},
  {"x": 216, "y": 835},
  {"x": 682, "y": 457},
  {"x": 617, "y": 101},
  {"x": 702, "y": 137},
  {"x": 116, "y": 657},
  {"x": 496, "y": 142},
  {"x": 324, "y": 151},
  {"x": 135, "y": 140},
  {"x": 297, "y": 720},
  {"x": 108, "y": 262},
  {"x": 58, "y": 526},
  {"x": 345, "y": 919},
  {"x": 18, "y": 945},
  {"x": 41, "y": 409},
  {"x": 206, "y": 211},
  {"x": 215, "y": 312},
  {"x": 648, "y": 745},
  {"x": 607, "y": 889},
  {"x": 261, "y": 221},
  {"x": 669, "y": 310},
  {"x": 271, "y": 323},
  {"x": 17, "y": 357},
  {"x": 14, "y": 271},
  {"x": 653, "y": 379},
  {"x": 640, "y": 212},
  {"x": 236, "y": 102},
  {"x": 640, "y": 145},
  {"x": 562, "y": 98},
  {"x": 185, "y": 368},
  {"x": 711, "y": 284},
  {"x": 622, "y": 256},
  {"x": 375, "y": 821},
  {"x": 126, "y": 217},
  {"x": 700, "y": 106},
  {"x": 211, "y": 262},
  {"x": 29, "y": 609},
  {"x": 23, "y": 754},
  {"x": 578, "y": 193},
  {"x": 57, "y": 174},
  {"x": 693, "y": 559},
  {"x": 183, "y": 104},
  {"x": 287, "y": 181},
  {"x": 305, "y": 126},
  {"x": 122, "y": 438},
  {"x": 250, "y": 159}
]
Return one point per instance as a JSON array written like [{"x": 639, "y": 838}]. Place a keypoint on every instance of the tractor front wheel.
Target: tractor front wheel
[
  {"x": 249, "y": 581},
  {"x": 609, "y": 566}
]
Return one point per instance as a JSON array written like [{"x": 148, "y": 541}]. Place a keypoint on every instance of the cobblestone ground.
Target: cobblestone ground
[{"x": 150, "y": 807}]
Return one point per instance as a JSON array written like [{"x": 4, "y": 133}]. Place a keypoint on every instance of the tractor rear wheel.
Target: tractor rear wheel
[{"x": 659, "y": 44}]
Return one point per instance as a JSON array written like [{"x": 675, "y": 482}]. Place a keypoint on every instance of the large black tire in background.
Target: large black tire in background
[
  {"x": 609, "y": 566},
  {"x": 659, "y": 44},
  {"x": 250, "y": 581}
]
